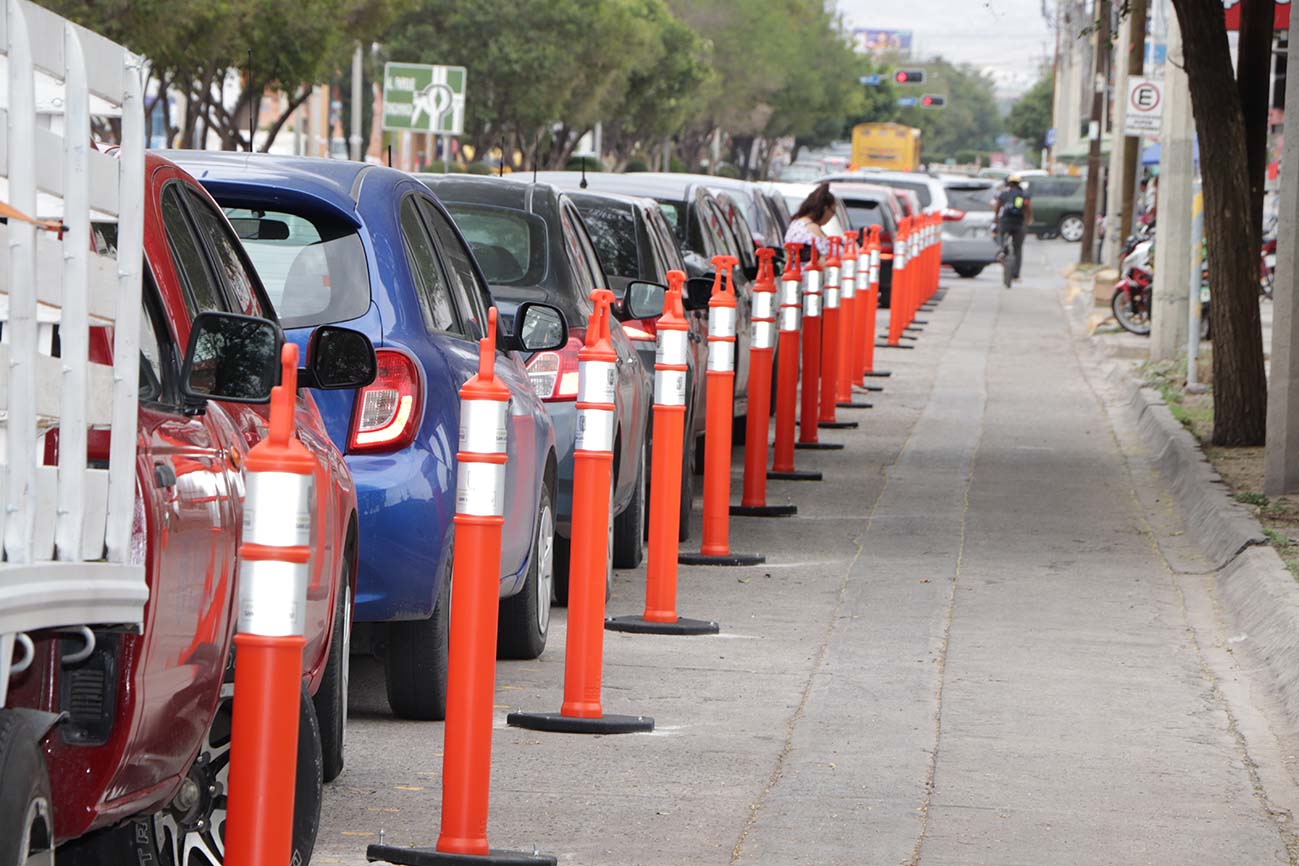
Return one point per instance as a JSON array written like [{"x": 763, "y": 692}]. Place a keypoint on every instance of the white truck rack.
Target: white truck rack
[{"x": 66, "y": 530}]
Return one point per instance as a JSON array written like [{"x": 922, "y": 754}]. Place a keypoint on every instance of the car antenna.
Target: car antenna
[
  {"x": 583, "y": 183},
  {"x": 252, "y": 122},
  {"x": 389, "y": 156},
  {"x": 501, "y": 171}
]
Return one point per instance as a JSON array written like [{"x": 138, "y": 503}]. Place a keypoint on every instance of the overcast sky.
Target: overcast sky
[{"x": 1010, "y": 38}]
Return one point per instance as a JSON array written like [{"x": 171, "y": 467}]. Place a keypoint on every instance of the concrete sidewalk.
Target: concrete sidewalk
[{"x": 967, "y": 648}]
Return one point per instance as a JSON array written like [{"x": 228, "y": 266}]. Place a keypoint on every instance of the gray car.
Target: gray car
[{"x": 968, "y": 244}]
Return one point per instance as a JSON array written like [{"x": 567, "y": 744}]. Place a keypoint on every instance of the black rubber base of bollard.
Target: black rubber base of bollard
[
  {"x": 838, "y": 425},
  {"x": 796, "y": 475},
  {"x": 870, "y": 387},
  {"x": 764, "y": 510},
  {"x": 818, "y": 446},
  {"x": 898, "y": 346},
  {"x": 920, "y": 321},
  {"x": 558, "y": 723},
  {"x": 432, "y": 857},
  {"x": 640, "y": 625},
  {"x": 849, "y": 404},
  {"x": 878, "y": 374},
  {"x": 910, "y": 330},
  {"x": 728, "y": 559}
]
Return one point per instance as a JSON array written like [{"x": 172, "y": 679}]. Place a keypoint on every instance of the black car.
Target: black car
[
  {"x": 635, "y": 243},
  {"x": 870, "y": 205},
  {"x": 532, "y": 245},
  {"x": 702, "y": 230}
]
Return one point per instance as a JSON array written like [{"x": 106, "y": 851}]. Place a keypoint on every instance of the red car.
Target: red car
[{"x": 138, "y": 769}]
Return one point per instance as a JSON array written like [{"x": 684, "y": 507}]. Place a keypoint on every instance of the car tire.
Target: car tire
[
  {"x": 166, "y": 837},
  {"x": 967, "y": 272},
  {"x": 687, "y": 502},
  {"x": 524, "y": 619},
  {"x": 330, "y": 699},
  {"x": 629, "y": 527},
  {"x": 1071, "y": 227},
  {"x": 415, "y": 659},
  {"x": 26, "y": 803}
]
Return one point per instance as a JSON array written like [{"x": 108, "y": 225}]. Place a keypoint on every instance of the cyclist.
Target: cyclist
[{"x": 1014, "y": 212}]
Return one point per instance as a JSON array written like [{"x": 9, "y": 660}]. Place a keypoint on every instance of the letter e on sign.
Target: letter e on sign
[{"x": 1145, "y": 107}]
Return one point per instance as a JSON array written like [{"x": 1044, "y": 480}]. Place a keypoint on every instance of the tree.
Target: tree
[
  {"x": 1030, "y": 116},
  {"x": 1239, "y": 383}
]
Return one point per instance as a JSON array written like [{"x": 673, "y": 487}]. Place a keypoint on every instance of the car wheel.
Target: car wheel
[
  {"x": 415, "y": 659},
  {"x": 191, "y": 830},
  {"x": 1071, "y": 227},
  {"x": 26, "y": 805},
  {"x": 967, "y": 272},
  {"x": 564, "y": 560},
  {"x": 524, "y": 620},
  {"x": 629, "y": 527},
  {"x": 331, "y": 699}
]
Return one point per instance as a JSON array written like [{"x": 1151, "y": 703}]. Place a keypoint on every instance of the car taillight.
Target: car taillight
[
  {"x": 886, "y": 240},
  {"x": 554, "y": 374},
  {"x": 951, "y": 215},
  {"x": 644, "y": 329},
  {"x": 386, "y": 414}
]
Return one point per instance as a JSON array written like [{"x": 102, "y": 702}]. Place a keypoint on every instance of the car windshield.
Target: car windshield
[
  {"x": 864, "y": 212},
  {"x": 970, "y": 198},
  {"x": 920, "y": 188},
  {"x": 510, "y": 245},
  {"x": 612, "y": 228},
  {"x": 312, "y": 265}
]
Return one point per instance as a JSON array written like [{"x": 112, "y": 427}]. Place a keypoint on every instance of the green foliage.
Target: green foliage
[
  {"x": 967, "y": 157},
  {"x": 636, "y": 164},
  {"x": 578, "y": 163},
  {"x": 970, "y": 120},
  {"x": 481, "y": 168},
  {"x": 1030, "y": 116}
]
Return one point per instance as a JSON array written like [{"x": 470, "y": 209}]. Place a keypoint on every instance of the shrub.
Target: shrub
[{"x": 636, "y": 165}]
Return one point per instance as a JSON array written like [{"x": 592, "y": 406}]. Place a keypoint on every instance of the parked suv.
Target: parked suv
[
  {"x": 368, "y": 246},
  {"x": 968, "y": 245},
  {"x": 1058, "y": 204}
]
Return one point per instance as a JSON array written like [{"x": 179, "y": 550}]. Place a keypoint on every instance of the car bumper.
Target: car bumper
[{"x": 969, "y": 251}]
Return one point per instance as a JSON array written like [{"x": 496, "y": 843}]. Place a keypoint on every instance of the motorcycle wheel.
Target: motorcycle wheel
[{"x": 1134, "y": 320}]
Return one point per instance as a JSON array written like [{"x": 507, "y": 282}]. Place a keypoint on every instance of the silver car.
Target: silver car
[{"x": 968, "y": 244}]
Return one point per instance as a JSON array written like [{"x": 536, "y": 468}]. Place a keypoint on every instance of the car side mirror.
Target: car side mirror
[
  {"x": 231, "y": 357},
  {"x": 643, "y": 300},
  {"x": 338, "y": 359},
  {"x": 539, "y": 327},
  {"x": 699, "y": 291}
]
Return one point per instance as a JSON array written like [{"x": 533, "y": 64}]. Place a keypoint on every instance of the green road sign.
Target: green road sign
[{"x": 422, "y": 98}]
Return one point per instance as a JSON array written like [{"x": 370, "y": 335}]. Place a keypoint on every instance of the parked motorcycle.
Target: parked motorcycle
[{"x": 1131, "y": 302}]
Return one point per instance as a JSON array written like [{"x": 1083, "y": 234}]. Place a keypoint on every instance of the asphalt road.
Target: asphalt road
[{"x": 982, "y": 640}]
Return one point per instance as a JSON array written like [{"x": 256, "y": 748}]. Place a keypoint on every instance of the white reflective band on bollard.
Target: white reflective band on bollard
[
  {"x": 669, "y": 387},
  {"x": 721, "y": 322},
  {"x": 763, "y": 305},
  {"x": 480, "y": 489},
  {"x": 811, "y": 304},
  {"x": 482, "y": 426},
  {"x": 277, "y": 509},
  {"x": 848, "y": 289},
  {"x": 831, "y": 276},
  {"x": 597, "y": 382},
  {"x": 811, "y": 282},
  {"x": 832, "y": 297},
  {"x": 764, "y": 335},
  {"x": 594, "y": 430},
  {"x": 671, "y": 348},
  {"x": 721, "y": 356},
  {"x": 863, "y": 272},
  {"x": 789, "y": 293},
  {"x": 789, "y": 318},
  {"x": 272, "y": 597},
  {"x": 875, "y": 265}
]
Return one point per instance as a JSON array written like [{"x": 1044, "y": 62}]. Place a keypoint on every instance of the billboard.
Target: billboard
[
  {"x": 1280, "y": 17},
  {"x": 868, "y": 40}
]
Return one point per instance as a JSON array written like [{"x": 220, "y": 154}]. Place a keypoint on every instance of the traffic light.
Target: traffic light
[
  {"x": 909, "y": 76},
  {"x": 931, "y": 100}
]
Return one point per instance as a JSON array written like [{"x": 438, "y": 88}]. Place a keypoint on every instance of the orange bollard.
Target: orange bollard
[
  {"x": 867, "y": 306},
  {"x": 850, "y": 326},
  {"x": 782, "y": 459},
  {"x": 810, "y": 405},
  {"x": 900, "y": 298},
  {"x": 660, "y": 615},
  {"x": 924, "y": 271},
  {"x": 715, "y": 548},
  {"x": 475, "y": 588},
  {"x": 762, "y": 346},
  {"x": 830, "y": 329},
  {"x": 272, "y": 597},
  {"x": 871, "y": 316},
  {"x": 581, "y": 711}
]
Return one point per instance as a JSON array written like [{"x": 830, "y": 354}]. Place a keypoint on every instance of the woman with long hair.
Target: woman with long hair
[{"x": 815, "y": 211}]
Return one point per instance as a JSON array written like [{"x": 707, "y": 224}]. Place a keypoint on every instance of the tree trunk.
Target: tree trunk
[
  {"x": 274, "y": 130},
  {"x": 1239, "y": 384},
  {"x": 1254, "y": 84}
]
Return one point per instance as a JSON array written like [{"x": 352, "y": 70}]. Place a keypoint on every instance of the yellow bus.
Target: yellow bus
[{"x": 886, "y": 145}]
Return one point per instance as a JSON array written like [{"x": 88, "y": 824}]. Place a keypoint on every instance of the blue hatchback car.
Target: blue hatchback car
[{"x": 371, "y": 247}]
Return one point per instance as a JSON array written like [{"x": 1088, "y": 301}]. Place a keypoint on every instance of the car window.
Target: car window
[
  {"x": 864, "y": 212},
  {"x": 201, "y": 289},
  {"x": 675, "y": 214},
  {"x": 661, "y": 232},
  {"x": 583, "y": 278},
  {"x": 230, "y": 266},
  {"x": 430, "y": 284},
  {"x": 155, "y": 372},
  {"x": 970, "y": 198},
  {"x": 470, "y": 295},
  {"x": 587, "y": 248},
  {"x": 920, "y": 188},
  {"x": 510, "y": 245},
  {"x": 312, "y": 265},
  {"x": 612, "y": 228}
]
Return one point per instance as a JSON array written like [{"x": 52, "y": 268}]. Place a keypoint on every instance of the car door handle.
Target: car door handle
[{"x": 164, "y": 475}]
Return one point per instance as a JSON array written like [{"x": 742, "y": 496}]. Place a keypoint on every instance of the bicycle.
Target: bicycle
[{"x": 1006, "y": 255}]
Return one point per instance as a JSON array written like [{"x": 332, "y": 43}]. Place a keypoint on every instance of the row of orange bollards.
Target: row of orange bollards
[{"x": 828, "y": 312}]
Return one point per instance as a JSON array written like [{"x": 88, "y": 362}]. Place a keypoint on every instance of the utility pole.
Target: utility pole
[
  {"x": 1281, "y": 453},
  {"x": 1176, "y": 167},
  {"x": 355, "y": 139},
  {"x": 1123, "y": 160},
  {"x": 1137, "y": 13},
  {"x": 1094, "y": 131}
]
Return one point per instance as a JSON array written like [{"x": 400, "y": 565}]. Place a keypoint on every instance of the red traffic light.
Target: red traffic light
[
  {"x": 930, "y": 100},
  {"x": 909, "y": 76}
]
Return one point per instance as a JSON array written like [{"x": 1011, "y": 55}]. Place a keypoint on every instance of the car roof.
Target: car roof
[
  {"x": 478, "y": 189},
  {"x": 867, "y": 175},
  {"x": 337, "y": 181},
  {"x": 852, "y": 187},
  {"x": 674, "y": 186}
]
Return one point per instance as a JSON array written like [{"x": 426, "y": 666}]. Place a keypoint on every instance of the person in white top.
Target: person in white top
[{"x": 815, "y": 211}]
